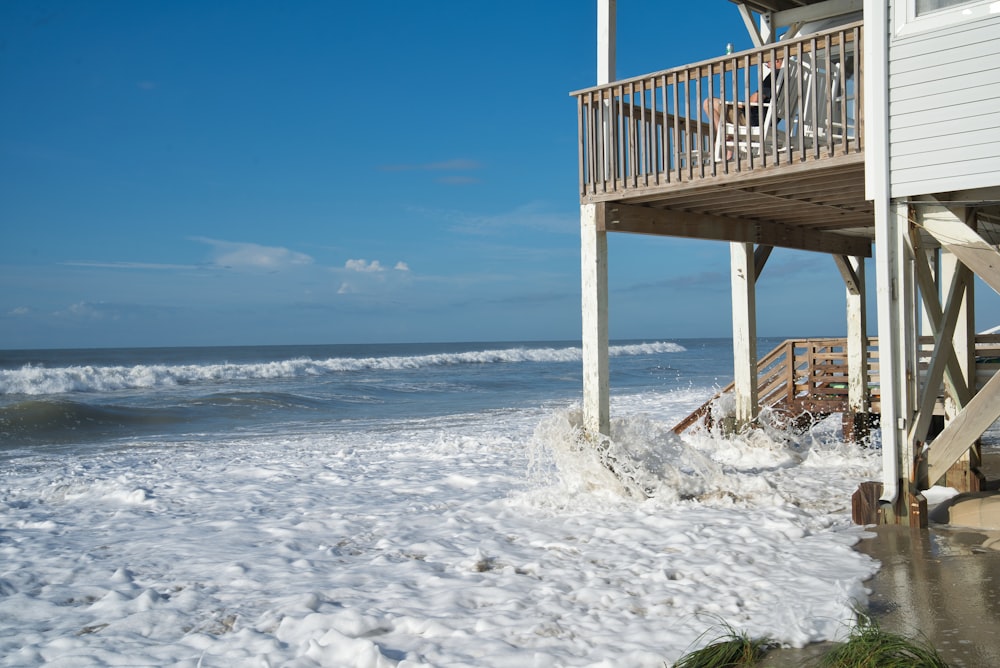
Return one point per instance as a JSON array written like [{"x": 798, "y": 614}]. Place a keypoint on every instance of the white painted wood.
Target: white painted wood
[
  {"x": 913, "y": 163},
  {"x": 889, "y": 256},
  {"x": 942, "y": 325},
  {"x": 888, "y": 243},
  {"x": 817, "y": 12},
  {"x": 853, "y": 271},
  {"x": 909, "y": 378},
  {"x": 976, "y": 131},
  {"x": 983, "y": 410},
  {"x": 594, "y": 262},
  {"x": 970, "y": 248},
  {"x": 944, "y": 82},
  {"x": 931, "y": 260},
  {"x": 938, "y": 321},
  {"x": 606, "y": 40},
  {"x": 594, "y": 308},
  {"x": 742, "y": 276},
  {"x": 963, "y": 340},
  {"x": 917, "y": 181},
  {"x": 760, "y": 256},
  {"x": 876, "y": 106}
]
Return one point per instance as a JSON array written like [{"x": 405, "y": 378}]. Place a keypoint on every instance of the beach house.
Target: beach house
[{"x": 863, "y": 130}]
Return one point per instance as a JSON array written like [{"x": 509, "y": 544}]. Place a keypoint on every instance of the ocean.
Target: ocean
[{"x": 405, "y": 505}]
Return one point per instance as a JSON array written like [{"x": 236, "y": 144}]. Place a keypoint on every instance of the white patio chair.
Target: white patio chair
[{"x": 736, "y": 134}]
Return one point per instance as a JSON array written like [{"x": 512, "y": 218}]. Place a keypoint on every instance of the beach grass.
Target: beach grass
[
  {"x": 869, "y": 646},
  {"x": 731, "y": 649}
]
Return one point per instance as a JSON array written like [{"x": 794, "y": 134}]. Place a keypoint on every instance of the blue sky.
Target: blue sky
[{"x": 245, "y": 172}]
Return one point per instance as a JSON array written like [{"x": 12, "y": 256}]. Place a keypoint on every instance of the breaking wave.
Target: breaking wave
[{"x": 39, "y": 380}]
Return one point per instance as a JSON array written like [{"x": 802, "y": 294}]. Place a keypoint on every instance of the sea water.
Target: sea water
[{"x": 405, "y": 505}]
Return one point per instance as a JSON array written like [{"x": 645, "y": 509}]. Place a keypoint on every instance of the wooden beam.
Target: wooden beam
[
  {"x": 751, "y": 26},
  {"x": 943, "y": 356},
  {"x": 817, "y": 11},
  {"x": 760, "y": 259},
  {"x": 939, "y": 320},
  {"x": 849, "y": 274},
  {"x": 970, "y": 248},
  {"x": 958, "y": 436},
  {"x": 663, "y": 222}
]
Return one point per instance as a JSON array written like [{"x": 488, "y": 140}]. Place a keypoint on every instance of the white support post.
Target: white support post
[
  {"x": 890, "y": 224},
  {"x": 594, "y": 263},
  {"x": 607, "y": 29},
  {"x": 909, "y": 378},
  {"x": 594, "y": 297},
  {"x": 857, "y": 340},
  {"x": 743, "y": 275},
  {"x": 857, "y": 418}
]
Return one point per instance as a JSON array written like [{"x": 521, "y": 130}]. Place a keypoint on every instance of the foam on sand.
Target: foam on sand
[{"x": 483, "y": 543}]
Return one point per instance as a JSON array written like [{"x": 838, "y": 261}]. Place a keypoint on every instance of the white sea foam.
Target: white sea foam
[
  {"x": 496, "y": 541},
  {"x": 39, "y": 380}
]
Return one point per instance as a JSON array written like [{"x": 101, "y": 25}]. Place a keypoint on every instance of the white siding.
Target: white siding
[{"x": 944, "y": 108}]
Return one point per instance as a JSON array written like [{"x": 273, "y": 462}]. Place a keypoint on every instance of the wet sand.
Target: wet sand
[{"x": 942, "y": 583}]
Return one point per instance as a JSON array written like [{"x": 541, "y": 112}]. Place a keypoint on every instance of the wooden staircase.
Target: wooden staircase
[
  {"x": 808, "y": 377},
  {"x": 802, "y": 377}
]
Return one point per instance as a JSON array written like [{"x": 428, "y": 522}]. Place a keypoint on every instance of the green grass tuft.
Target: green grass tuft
[
  {"x": 731, "y": 650},
  {"x": 871, "y": 647}
]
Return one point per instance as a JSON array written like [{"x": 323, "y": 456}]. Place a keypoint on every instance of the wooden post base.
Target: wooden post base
[
  {"x": 963, "y": 477},
  {"x": 857, "y": 427},
  {"x": 909, "y": 508}
]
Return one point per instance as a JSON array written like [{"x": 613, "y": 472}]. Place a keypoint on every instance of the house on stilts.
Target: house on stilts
[{"x": 880, "y": 140}]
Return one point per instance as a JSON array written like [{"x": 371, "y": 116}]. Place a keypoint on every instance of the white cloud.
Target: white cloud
[
  {"x": 346, "y": 289},
  {"x": 402, "y": 266},
  {"x": 20, "y": 310},
  {"x": 244, "y": 255},
  {"x": 364, "y": 266}
]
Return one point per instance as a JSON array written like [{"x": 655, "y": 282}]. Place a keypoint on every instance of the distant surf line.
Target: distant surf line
[{"x": 35, "y": 380}]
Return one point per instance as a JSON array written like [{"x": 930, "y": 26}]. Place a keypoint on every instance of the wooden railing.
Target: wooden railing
[
  {"x": 801, "y": 376},
  {"x": 653, "y": 130},
  {"x": 810, "y": 375}
]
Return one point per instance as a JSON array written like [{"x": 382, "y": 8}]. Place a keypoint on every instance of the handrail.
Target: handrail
[
  {"x": 652, "y": 130},
  {"x": 813, "y": 372},
  {"x": 797, "y": 369}
]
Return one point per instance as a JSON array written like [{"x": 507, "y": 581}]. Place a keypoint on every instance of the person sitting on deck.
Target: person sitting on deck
[{"x": 754, "y": 113}]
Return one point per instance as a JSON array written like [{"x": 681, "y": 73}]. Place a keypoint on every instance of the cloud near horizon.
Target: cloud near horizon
[
  {"x": 366, "y": 267},
  {"x": 245, "y": 255}
]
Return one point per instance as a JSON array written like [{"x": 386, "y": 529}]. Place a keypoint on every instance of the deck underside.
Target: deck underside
[{"x": 817, "y": 205}]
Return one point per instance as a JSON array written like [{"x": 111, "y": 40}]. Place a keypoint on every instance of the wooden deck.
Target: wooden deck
[{"x": 649, "y": 151}]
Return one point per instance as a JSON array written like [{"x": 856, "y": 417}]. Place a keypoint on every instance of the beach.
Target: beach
[{"x": 409, "y": 506}]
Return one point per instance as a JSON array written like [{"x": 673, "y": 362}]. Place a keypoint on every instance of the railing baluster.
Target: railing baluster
[
  {"x": 649, "y": 131},
  {"x": 829, "y": 95},
  {"x": 676, "y": 138},
  {"x": 698, "y": 121},
  {"x": 667, "y": 150},
  {"x": 859, "y": 91},
  {"x": 814, "y": 83},
  {"x": 617, "y": 148}
]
